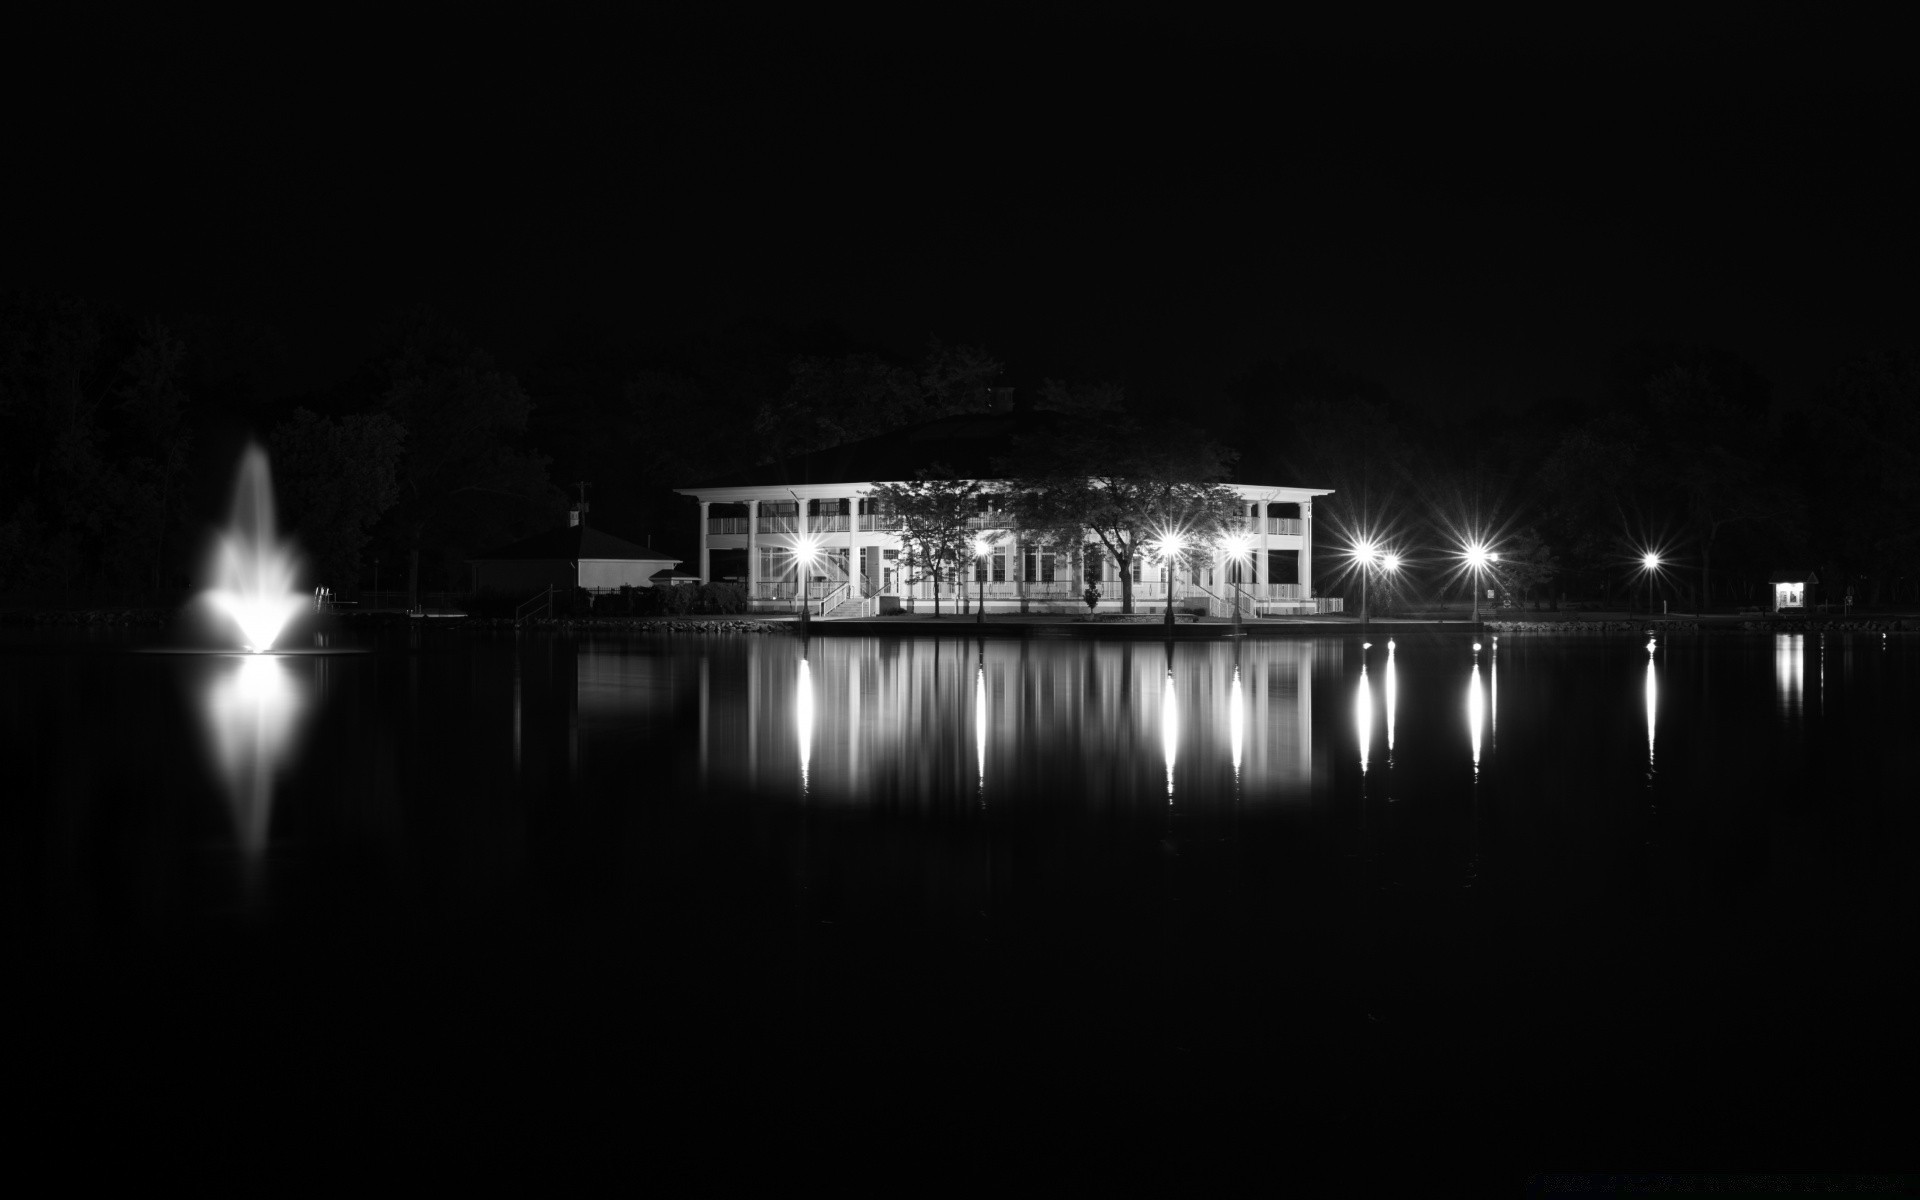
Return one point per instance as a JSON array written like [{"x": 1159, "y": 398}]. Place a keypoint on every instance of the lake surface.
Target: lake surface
[{"x": 1563, "y": 903}]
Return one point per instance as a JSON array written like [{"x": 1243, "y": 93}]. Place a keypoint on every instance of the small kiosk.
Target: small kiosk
[{"x": 1793, "y": 590}]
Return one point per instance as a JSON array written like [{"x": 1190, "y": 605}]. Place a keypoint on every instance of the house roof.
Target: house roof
[
  {"x": 572, "y": 544},
  {"x": 1793, "y": 577},
  {"x": 968, "y": 443}
]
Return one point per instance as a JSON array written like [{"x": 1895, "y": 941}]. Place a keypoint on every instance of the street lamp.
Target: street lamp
[
  {"x": 981, "y": 548},
  {"x": 1170, "y": 546},
  {"x": 1370, "y": 558},
  {"x": 1366, "y": 553},
  {"x": 1237, "y": 546},
  {"x": 805, "y": 551},
  {"x": 1478, "y": 558},
  {"x": 1649, "y": 564}
]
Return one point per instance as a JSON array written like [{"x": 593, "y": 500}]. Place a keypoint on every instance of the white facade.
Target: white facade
[{"x": 860, "y": 572}]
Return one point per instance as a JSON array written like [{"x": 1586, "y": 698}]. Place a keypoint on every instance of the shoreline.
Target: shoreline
[{"x": 1024, "y": 625}]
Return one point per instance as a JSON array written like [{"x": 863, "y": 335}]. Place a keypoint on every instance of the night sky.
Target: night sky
[{"x": 1473, "y": 216}]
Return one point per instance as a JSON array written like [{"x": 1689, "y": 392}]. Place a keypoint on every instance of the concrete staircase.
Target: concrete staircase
[{"x": 856, "y": 607}]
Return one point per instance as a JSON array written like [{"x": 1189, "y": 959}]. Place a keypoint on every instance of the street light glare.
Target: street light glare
[
  {"x": 982, "y": 547},
  {"x": 1236, "y": 545},
  {"x": 1651, "y": 561}
]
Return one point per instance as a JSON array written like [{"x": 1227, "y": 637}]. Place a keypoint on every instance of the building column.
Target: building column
[
  {"x": 853, "y": 548},
  {"x": 753, "y": 551},
  {"x": 1306, "y": 550},
  {"x": 1265, "y": 572},
  {"x": 706, "y": 553}
]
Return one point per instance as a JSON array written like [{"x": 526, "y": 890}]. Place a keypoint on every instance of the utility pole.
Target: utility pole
[{"x": 581, "y": 507}]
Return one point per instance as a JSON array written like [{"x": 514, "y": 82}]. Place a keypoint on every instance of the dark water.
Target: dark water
[{"x": 1079, "y": 903}]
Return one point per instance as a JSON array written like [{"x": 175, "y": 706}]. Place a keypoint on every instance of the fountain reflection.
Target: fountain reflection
[
  {"x": 1363, "y": 710},
  {"x": 252, "y": 706},
  {"x": 1789, "y": 657}
]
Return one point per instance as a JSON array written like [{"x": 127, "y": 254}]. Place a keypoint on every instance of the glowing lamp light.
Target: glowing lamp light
[
  {"x": 1236, "y": 545},
  {"x": 806, "y": 549}
]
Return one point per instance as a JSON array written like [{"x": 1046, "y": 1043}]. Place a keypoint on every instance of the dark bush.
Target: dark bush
[{"x": 726, "y": 598}]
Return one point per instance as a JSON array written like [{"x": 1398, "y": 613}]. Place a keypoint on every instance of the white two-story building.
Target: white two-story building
[{"x": 750, "y": 526}]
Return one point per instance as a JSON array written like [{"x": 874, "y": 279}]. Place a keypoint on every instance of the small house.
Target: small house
[
  {"x": 1792, "y": 590},
  {"x": 577, "y": 556}
]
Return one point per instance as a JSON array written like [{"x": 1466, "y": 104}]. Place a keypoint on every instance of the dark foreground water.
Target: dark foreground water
[{"x": 742, "y": 908}]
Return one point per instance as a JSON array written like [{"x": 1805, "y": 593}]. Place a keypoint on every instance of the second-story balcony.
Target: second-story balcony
[{"x": 727, "y": 524}]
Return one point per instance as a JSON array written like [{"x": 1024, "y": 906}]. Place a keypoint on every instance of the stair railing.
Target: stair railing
[
  {"x": 541, "y": 602},
  {"x": 827, "y": 601}
]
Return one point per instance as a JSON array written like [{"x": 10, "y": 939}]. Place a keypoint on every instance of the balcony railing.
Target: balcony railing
[
  {"x": 779, "y": 523},
  {"x": 727, "y": 524},
  {"x": 1285, "y": 526},
  {"x": 878, "y": 522}
]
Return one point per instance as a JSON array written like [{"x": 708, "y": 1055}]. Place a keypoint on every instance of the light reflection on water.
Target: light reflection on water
[
  {"x": 1392, "y": 697},
  {"x": 1237, "y": 720},
  {"x": 1789, "y": 671},
  {"x": 1653, "y": 704},
  {"x": 803, "y": 720},
  {"x": 979, "y": 724},
  {"x": 1363, "y": 712},
  {"x": 1169, "y": 728},
  {"x": 252, "y": 706},
  {"x": 1493, "y": 692},
  {"x": 1476, "y": 711},
  {"x": 863, "y": 720}
]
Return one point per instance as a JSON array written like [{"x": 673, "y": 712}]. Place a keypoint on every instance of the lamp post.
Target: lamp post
[
  {"x": 1237, "y": 546},
  {"x": 805, "y": 550},
  {"x": 1478, "y": 556},
  {"x": 1365, "y": 553},
  {"x": 1170, "y": 544},
  {"x": 1650, "y": 564},
  {"x": 981, "y": 548},
  {"x": 1371, "y": 558}
]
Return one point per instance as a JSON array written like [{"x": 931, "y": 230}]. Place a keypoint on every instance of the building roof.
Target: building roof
[
  {"x": 572, "y": 544},
  {"x": 1793, "y": 577},
  {"x": 969, "y": 444}
]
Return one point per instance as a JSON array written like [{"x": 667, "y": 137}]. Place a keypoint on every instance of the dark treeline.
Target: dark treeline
[{"x": 119, "y": 432}]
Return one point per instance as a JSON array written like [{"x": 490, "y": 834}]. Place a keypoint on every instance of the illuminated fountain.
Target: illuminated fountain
[
  {"x": 252, "y": 569},
  {"x": 252, "y": 705}
]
